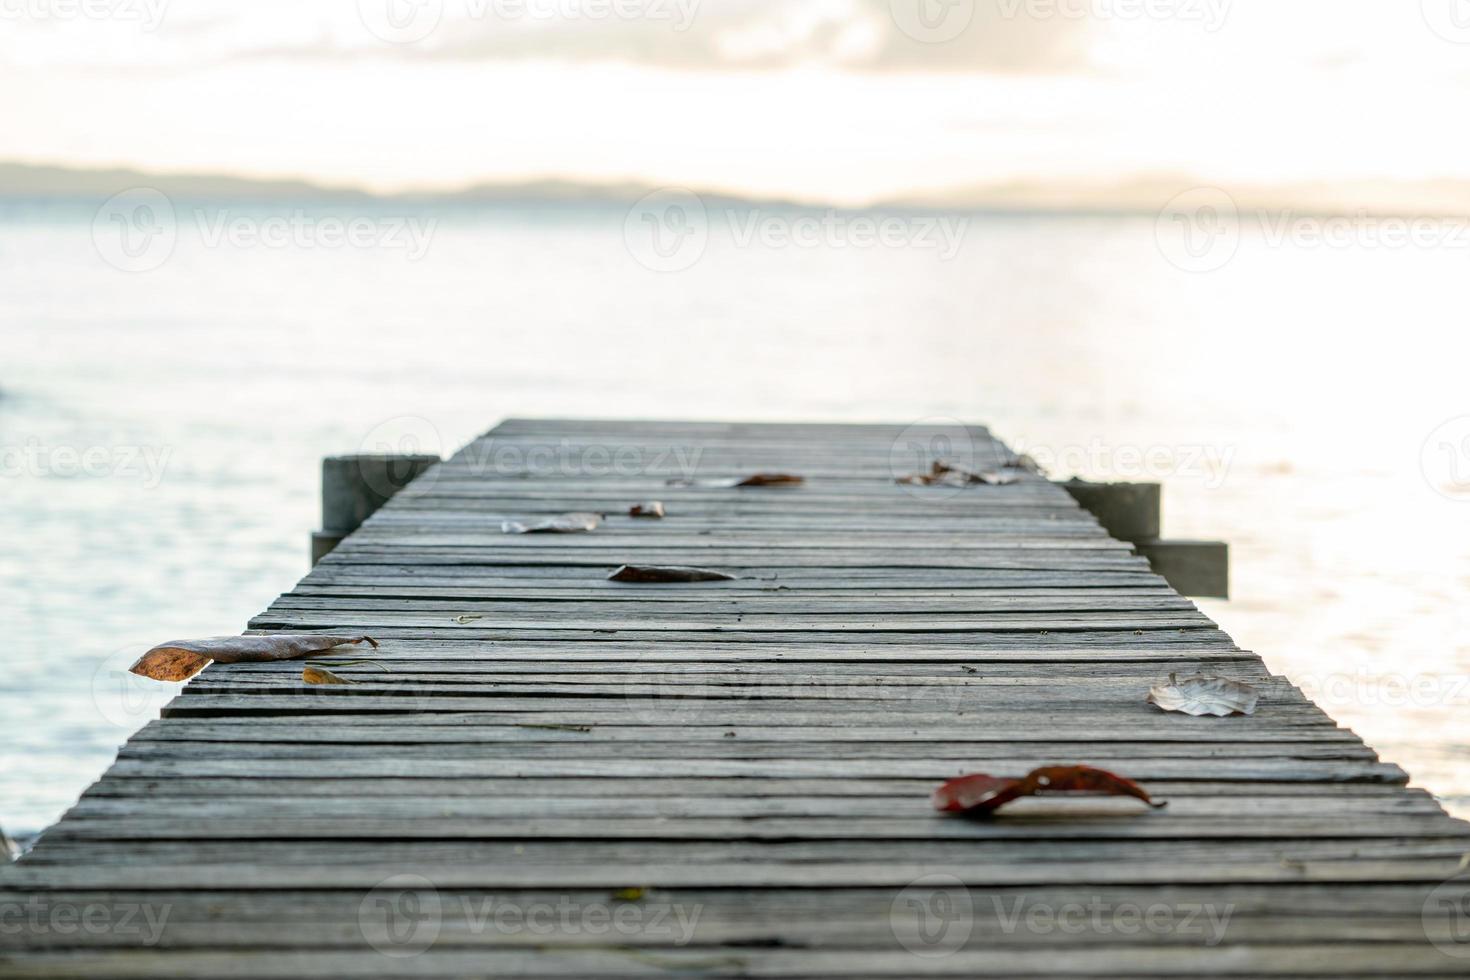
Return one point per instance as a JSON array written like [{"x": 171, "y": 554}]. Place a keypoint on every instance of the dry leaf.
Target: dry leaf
[
  {"x": 667, "y": 573},
  {"x": 564, "y": 524},
  {"x": 320, "y": 675},
  {"x": 462, "y": 620},
  {"x": 940, "y": 472},
  {"x": 182, "y": 659},
  {"x": 651, "y": 509},
  {"x": 982, "y": 794},
  {"x": 1023, "y": 462},
  {"x": 754, "y": 480},
  {"x": 944, "y": 474},
  {"x": 772, "y": 480},
  {"x": 1203, "y": 695}
]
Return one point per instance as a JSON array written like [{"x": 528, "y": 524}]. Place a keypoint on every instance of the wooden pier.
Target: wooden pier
[{"x": 553, "y": 774}]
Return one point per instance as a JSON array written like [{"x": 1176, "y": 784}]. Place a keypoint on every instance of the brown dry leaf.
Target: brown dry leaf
[
  {"x": 651, "y": 509},
  {"x": 180, "y": 660},
  {"x": 947, "y": 475},
  {"x": 1201, "y": 695},
  {"x": 563, "y": 524},
  {"x": 754, "y": 480},
  {"x": 771, "y": 480},
  {"x": 320, "y": 675},
  {"x": 668, "y": 573}
]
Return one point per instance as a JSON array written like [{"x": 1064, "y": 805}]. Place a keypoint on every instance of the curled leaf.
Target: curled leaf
[
  {"x": 563, "y": 524},
  {"x": 181, "y": 659},
  {"x": 948, "y": 475},
  {"x": 651, "y": 509},
  {"x": 467, "y": 618},
  {"x": 320, "y": 675},
  {"x": 668, "y": 573},
  {"x": 754, "y": 480},
  {"x": 1023, "y": 462},
  {"x": 982, "y": 794},
  {"x": 1201, "y": 695}
]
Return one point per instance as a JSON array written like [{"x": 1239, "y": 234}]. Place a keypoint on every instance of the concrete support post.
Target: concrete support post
[
  {"x": 354, "y": 487},
  {"x": 1133, "y": 512}
]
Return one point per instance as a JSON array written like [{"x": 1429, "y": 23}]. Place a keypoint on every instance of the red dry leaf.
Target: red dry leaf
[
  {"x": 980, "y": 794},
  {"x": 651, "y": 509},
  {"x": 182, "y": 659}
]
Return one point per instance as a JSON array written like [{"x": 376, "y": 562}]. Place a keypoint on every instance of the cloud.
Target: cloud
[
  {"x": 690, "y": 35},
  {"x": 872, "y": 35}
]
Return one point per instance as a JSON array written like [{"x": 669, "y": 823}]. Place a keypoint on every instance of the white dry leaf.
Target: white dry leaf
[
  {"x": 564, "y": 524},
  {"x": 1201, "y": 695}
]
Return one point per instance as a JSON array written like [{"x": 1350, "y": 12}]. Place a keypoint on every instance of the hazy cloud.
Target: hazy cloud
[{"x": 876, "y": 35}]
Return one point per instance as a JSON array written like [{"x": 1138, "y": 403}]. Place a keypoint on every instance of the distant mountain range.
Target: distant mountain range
[
  {"x": 30, "y": 181},
  {"x": 1144, "y": 194}
]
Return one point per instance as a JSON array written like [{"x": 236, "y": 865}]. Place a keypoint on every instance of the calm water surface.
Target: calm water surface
[{"x": 162, "y": 430}]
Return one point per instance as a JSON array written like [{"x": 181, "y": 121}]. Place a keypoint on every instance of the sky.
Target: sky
[{"x": 851, "y": 100}]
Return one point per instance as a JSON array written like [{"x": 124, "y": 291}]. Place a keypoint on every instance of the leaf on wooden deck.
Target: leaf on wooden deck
[
  {"x": 668, "y": 573},
  {"x": 466, "y": 619},
  {"x": 1202, "y": 695},
  {"x": 653, "y": 509},
  {"x": 562, "y": 524},
  {"x": 630, "y": 894},
  {"x": 947, "y": 475},
  {"x": 180, "y": 660},
  {"x": 1024, "y": 462},
  {"x": 999, "y": 478},
  {"x": 754, "y": 480},
  {"x": 983, "y": 794},
  {"x": 320, "y": 675}
]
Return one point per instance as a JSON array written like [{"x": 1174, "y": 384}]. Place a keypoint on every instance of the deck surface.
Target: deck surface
[{"x": 558, "y": 775}]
